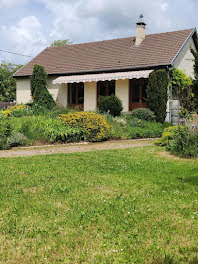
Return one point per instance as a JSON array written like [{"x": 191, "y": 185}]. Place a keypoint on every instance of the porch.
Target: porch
[{"x": 83, "y": 91}]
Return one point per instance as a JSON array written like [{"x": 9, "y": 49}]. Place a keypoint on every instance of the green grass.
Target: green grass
[{"x": 118, "y": 206}]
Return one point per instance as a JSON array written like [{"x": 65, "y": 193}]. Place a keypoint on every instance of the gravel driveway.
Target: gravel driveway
[{"x": 74, "y": 147}]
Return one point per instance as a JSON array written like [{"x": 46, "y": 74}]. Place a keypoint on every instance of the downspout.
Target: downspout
[{"x": 170, "y": 95}]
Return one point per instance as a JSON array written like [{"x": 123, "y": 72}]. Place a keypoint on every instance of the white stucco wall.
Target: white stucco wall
[
  {"x": 184, "y": 60},
  {"x": 23, "y": 91},
  {"x": 122, "y": 92},
  {"x": 90, "y": 96}
]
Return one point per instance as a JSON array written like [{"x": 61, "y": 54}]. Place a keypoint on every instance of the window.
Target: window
[
  {"x": 76, "y": 93},
  {"x": 106, "y": 88},
  {"x": 144, "y": 87},
  {"x": 137, "y": 93},
  {"x": 135, "y": 90}
]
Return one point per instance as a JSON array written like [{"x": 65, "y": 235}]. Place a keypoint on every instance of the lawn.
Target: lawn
[{"x": 115, "y": 206}]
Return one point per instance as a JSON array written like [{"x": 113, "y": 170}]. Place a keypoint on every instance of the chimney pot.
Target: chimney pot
[{"x": 140, "y": 30}]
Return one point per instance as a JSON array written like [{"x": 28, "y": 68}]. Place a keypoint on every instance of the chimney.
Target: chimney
[{"x": 140, "y": 30}]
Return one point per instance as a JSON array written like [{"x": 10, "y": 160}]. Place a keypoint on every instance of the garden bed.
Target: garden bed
[{"x": 28, "y": 125}]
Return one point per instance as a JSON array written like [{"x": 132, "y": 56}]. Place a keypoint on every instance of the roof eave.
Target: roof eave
[
  {"x": 105, "y": 70},
  {"x": 194, "y": 32}
]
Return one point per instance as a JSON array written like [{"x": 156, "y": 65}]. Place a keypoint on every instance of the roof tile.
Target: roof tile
[{"x": 116, "y": 54}]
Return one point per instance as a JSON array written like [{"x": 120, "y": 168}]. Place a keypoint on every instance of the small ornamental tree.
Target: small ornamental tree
[
  {"x": 39, "y": 91},
  {"x": 157, "y": 94},
  {"x": 195, "y": 81}
]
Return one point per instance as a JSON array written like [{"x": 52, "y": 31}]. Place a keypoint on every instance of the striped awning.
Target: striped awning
[{"x": 102, "y": 77}]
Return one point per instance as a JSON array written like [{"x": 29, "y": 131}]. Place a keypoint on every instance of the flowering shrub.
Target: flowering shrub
[
  {"x": 13, "y": 110},
  {"x": 93, "y": 126}
]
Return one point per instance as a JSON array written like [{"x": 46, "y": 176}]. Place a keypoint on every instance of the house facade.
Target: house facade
[{"x": 78, "y": 74}]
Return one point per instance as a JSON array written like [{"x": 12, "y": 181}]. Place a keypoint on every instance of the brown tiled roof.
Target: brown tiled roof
[{"x": 117, "y": 54}]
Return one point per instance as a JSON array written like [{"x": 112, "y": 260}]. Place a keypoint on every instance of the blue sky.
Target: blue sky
[{"x": 28, "y": 26}]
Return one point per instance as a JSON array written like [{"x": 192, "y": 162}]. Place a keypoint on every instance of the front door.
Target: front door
[{"x": 137, "y": 93}]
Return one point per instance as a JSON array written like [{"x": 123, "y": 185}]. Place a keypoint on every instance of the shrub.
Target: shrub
[
  {"x": 54, "y": 131},
  {"x": 111, "y": 104},
  {"x": 5, "y": 132},
  {"x": 93, "y": 126},
  {"x": 10, "y": 111},
  {"x": 143, "y": 114},
  {"x": 182, "y": 89},
  {"x": 195, "y": 81},
  {"x": 144, "y": 129},
  {"x": 167, "y": 135},
  {"x": 45, "y": 128},
  {"x": 157, "y": 94},
  {"x": 16, "y": 139},
  {"x": 39, "y": 91},
  {"x": 184, "y": 143}
]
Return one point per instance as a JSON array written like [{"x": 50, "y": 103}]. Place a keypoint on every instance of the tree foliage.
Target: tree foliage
[
  {"x": 60, "y": 43},
  {"x": 157, "y": 94},
  {"x": 195, "y": 81},
  {"x": 7, "y": 82},
  {"x": 182, "y": 89},
  {"x": 39, "y": 91}
]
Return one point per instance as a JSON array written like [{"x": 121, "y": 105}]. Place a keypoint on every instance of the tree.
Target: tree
[
  {"x": 7, "y": 82},
  {"x": 157, "y": 94},
  {"x": 60, "y": 43},
  {"x": 39, "y": 91},
  {"x": 195, "y": 81}
]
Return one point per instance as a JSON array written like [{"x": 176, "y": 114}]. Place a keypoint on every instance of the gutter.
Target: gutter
[{"x": 103, "y": 71}]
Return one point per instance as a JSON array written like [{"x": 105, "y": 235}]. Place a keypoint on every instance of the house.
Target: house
[{"x": 79, "y": 73}]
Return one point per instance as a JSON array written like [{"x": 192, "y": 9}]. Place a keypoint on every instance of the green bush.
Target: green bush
[
  {"x": 144, "y": 129},
  {"x": 110, "y": 104},
  {"x": 143, "y": 114},
  {"x": 16, "y": 139},
  {"x": 54, "y": 131},
  {"x": 41, "y": 96},
  {"x": 5, "y": 133},
  {"x": 41, "y": 128},
  {"x": 157, "y": 94},
  {"x": 168, "y": 134},
  {"x": 184, "y": 143},
  {"x": 94, "y": 127}
]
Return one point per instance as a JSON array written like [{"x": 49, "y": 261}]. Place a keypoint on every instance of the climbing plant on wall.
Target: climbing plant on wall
[
  {"x": 195, "y": 81},
  {"x": 182, "y": 89}
]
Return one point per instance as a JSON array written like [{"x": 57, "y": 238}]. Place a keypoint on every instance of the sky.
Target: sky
[{"x": 29, "y": 26}]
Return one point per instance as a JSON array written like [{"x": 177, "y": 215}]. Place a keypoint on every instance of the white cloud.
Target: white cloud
[
  {"x": 28, "y": 26},
  {"x": 84, "y": 20},
  {"x": 11, "y": 3},
  {"x": 26, "y": 36}
]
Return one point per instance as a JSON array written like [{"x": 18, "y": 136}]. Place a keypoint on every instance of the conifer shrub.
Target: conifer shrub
[
  {"x": 157, "y": 94},
  {"x": 40, "y": 94}
]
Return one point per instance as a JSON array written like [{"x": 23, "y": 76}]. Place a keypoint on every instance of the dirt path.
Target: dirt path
[{"x": 74, "y": 147}]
